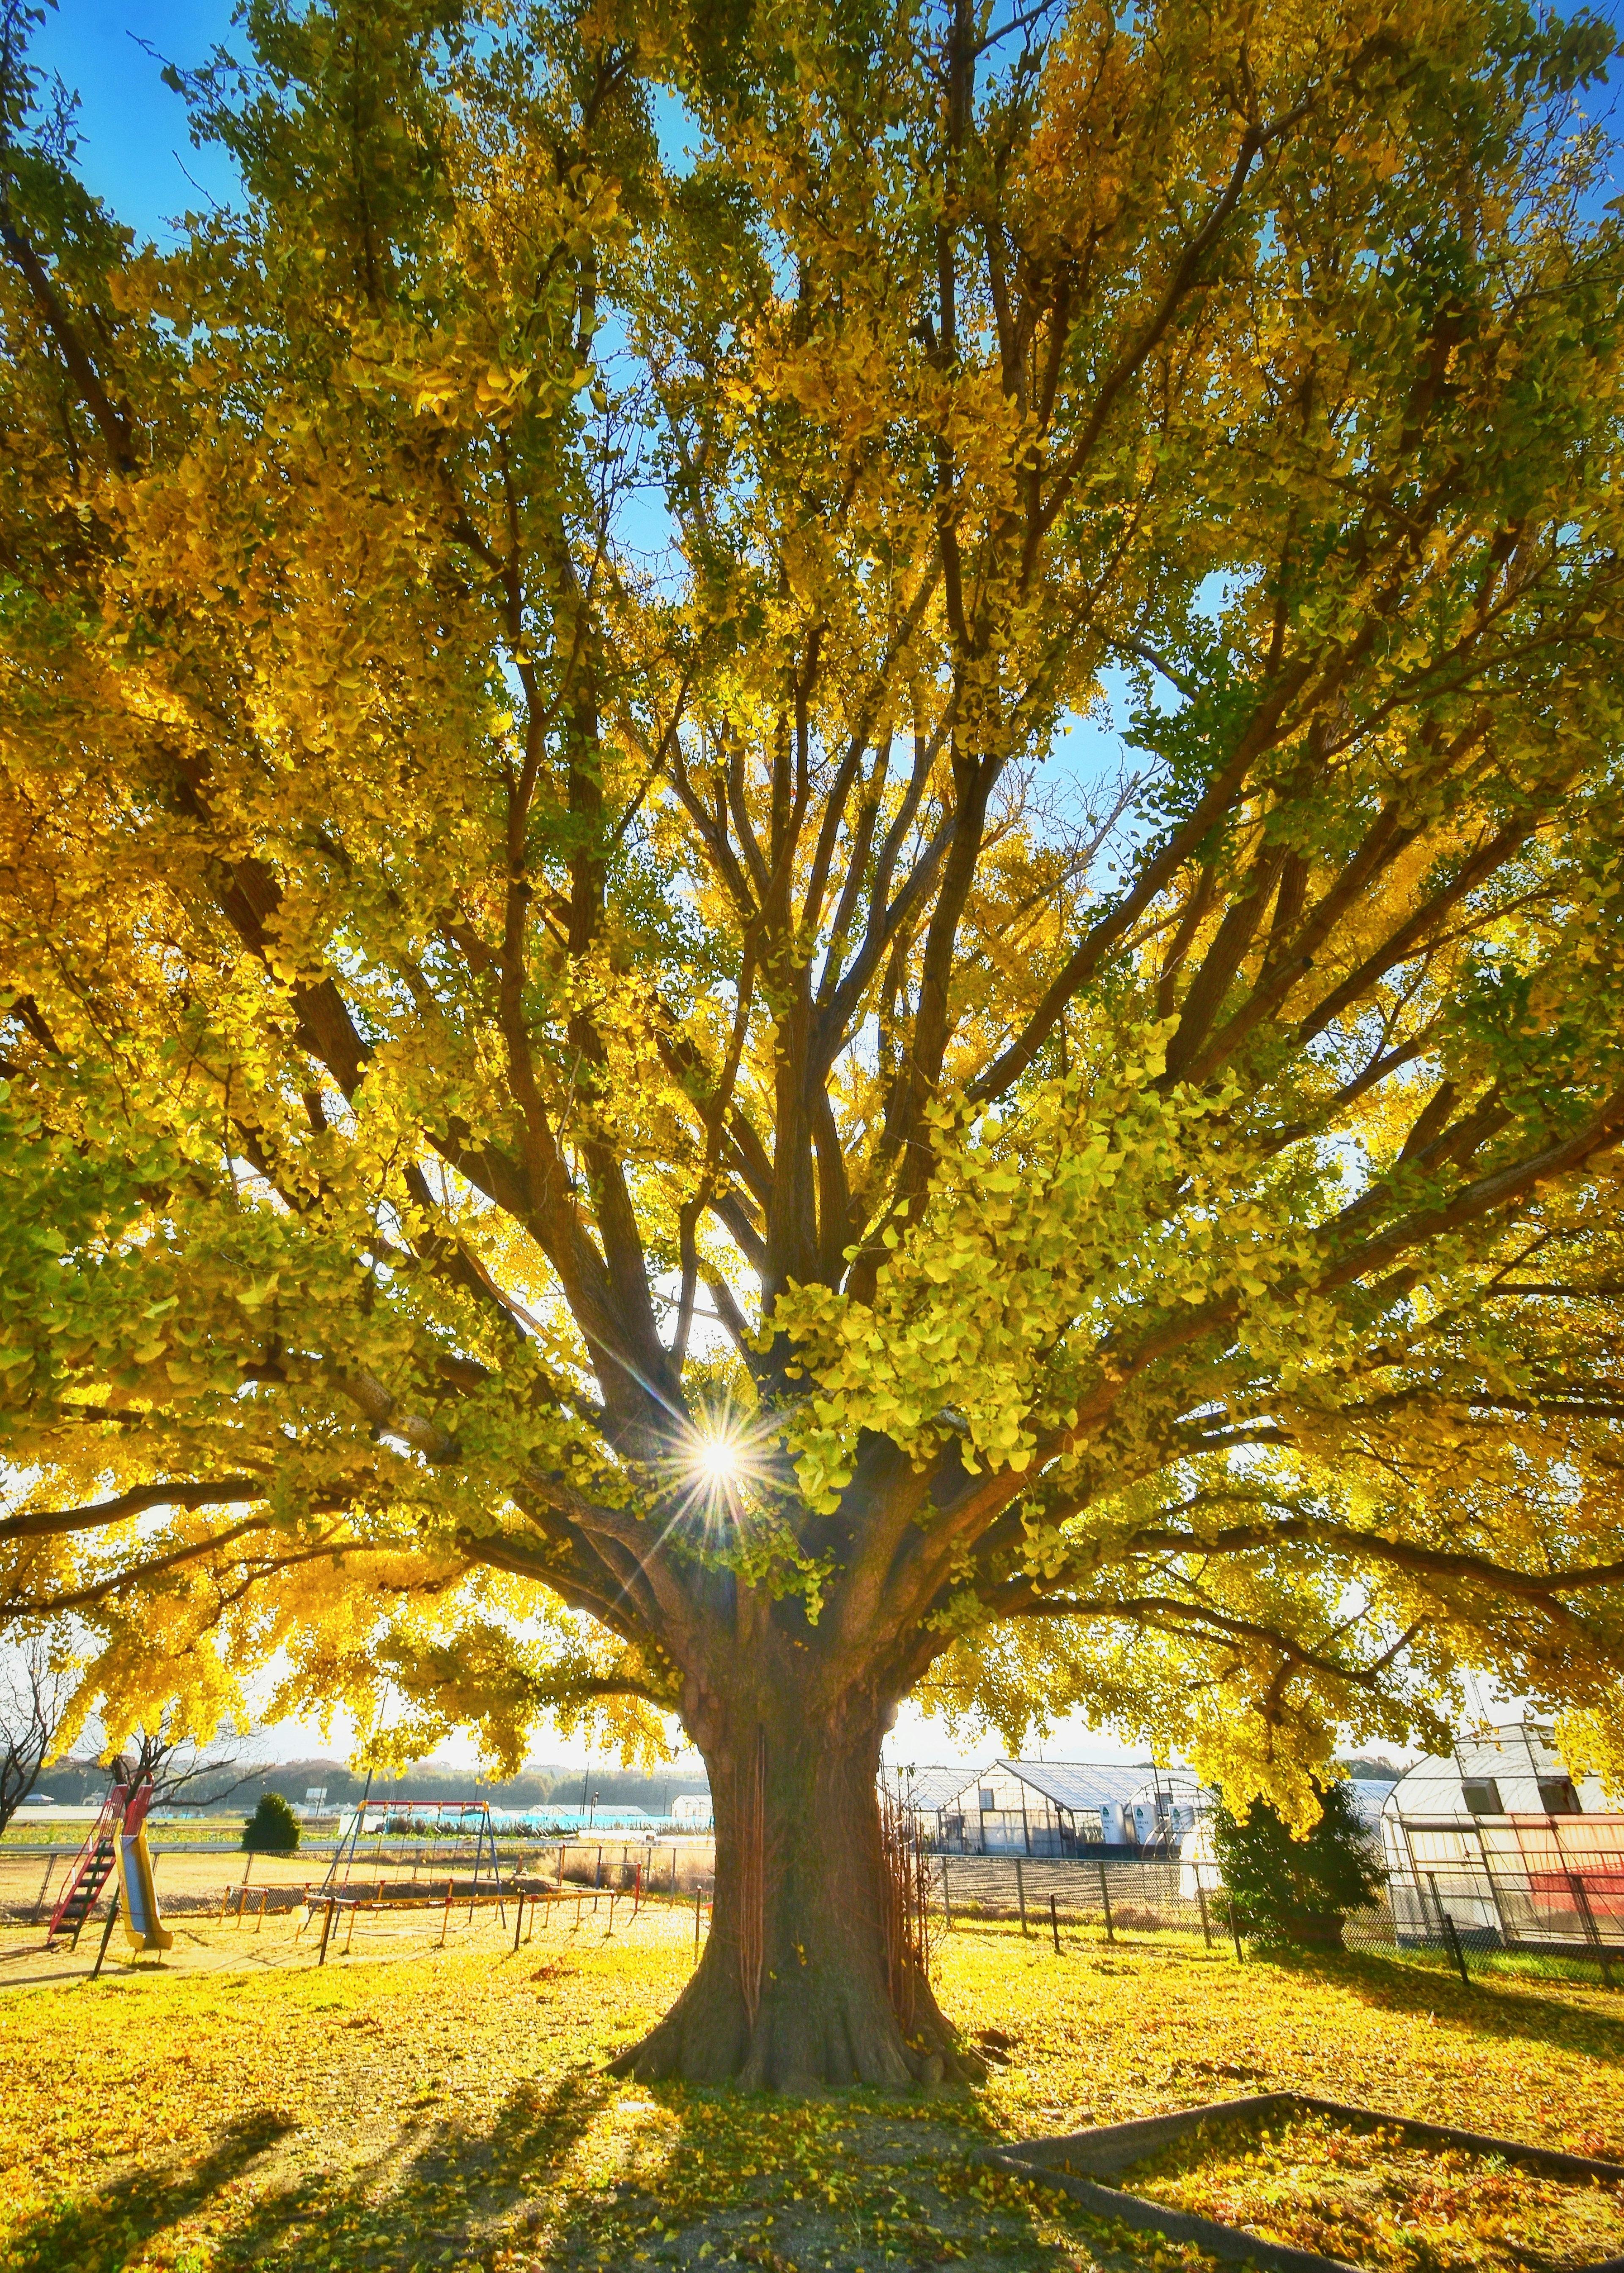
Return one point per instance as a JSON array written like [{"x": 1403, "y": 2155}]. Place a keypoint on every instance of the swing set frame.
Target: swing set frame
[{"x": 472, "y": 1820}]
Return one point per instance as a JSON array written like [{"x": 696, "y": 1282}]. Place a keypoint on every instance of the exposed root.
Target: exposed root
[{"x": 810, "y": 2042}]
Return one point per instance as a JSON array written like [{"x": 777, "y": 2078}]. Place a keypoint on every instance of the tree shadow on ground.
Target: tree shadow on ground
[
  {"x": 444, "y": 2186},
  {"x": 442, "y": 2190},
  {"x": 1490, "y": 2006},
  {"x": 854, "y": 2179},
  {"x": 568, "y": 2172},
  {"x": 858, "y": 2179},
  {"x": 98, "y": 2233}
]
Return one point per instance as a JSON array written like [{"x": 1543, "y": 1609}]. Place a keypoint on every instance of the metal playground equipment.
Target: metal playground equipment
[
  {"x": 116, "y": 1843},
  {"x": 532, "y": 1900},
  {"x": 380, "y": 1879},
  {"x": 454, "y": 1831}
]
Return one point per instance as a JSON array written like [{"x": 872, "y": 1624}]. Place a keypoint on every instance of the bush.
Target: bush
[
  {"x": 1283, "y": 1889},
  {"x": 272, "y": 1828}
]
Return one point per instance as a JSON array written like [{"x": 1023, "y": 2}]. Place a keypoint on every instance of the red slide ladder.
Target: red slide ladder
[{"x": 93, "y": 1866}]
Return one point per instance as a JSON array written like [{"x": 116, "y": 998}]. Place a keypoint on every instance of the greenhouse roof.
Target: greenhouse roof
[
  {"x": 1073, "y": 1784},
  {"x": 924, "y": 1789}
]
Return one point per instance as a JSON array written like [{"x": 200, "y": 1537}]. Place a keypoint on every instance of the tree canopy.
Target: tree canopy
[{"x": 612, "y": 1101}]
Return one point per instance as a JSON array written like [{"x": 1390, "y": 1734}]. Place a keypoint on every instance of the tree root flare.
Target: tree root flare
[{"x": 792, "y": 2049}]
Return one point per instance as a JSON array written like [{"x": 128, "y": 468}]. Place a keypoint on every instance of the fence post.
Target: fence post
[
  {"x": 1200, "y": 1895},
  {"x": 1020, "y": 1893},
  {"x": 1452, "y": 1940},
  {"x": 1105, "y": 1896},
  {"x": 1500, "y": 1908},
  {"x": 1053, "y": 1920},
  {"x": 673, "y": 1870},
  {"x": 1432, "y": 1880},
  {"x": 947, "y": 1899},
  {"x": 107, "y": 1935},
  {"x": 1582, "y": 1902}
]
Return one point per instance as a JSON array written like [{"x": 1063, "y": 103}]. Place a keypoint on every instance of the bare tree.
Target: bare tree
[
  {"x": 185, "y": 1773},
  {"x": 37, "y": 1682}
]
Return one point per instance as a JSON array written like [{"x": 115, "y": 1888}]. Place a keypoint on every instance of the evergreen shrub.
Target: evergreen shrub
[
  {"x": 1287, "y": 1890},
  {"x": 272, "y": 1828}
]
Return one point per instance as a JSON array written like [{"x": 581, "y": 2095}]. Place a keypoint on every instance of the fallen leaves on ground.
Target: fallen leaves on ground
[
  {"x": 1315, "y": 2184},
  {"x": 451, "y": 2109}
]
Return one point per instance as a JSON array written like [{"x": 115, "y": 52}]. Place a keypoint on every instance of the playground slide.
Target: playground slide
[{"x": 139, "y": 1905}]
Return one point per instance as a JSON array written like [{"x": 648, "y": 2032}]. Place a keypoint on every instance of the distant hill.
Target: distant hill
[
  {"x": 75, "y": 1781},
  {"x": 1366, "y": 1770}
]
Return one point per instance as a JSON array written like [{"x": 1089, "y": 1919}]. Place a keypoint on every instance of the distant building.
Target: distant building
[
  {"x": 1199, "y": 1856},
  {"x": 690, "y": 1810},
  {"x": 1503, "y": 1836},
  {"x": 1053, "y": 1808},
  {"x": 929, "y": 1795},
  {"x": 1370, "y": 1797},
  {"x": 549, "y": 1822},
  {"x": 1435, "y": 1815}
]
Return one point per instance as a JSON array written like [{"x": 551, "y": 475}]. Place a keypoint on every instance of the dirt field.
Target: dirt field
[
  {"x": 189, "y": 1882},
  {"x": 248, "y": 1935}
]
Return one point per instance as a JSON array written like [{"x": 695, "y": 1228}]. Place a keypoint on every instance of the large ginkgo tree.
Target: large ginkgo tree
[{"x": 613, "y": 1104}]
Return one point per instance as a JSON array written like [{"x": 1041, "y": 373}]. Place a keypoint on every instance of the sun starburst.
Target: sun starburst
[{"x": 724, "y": 1459}]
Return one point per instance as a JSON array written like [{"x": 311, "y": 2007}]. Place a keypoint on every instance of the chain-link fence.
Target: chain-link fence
[
  {"x": 1118, "y": 1898},
  {"x": 1549, "y": 1920},
  {"x": 1545, "y": 1919},
  {"x": 1536, "y": 1916}
]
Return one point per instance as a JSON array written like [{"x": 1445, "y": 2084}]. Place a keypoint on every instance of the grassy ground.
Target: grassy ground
[
  {"x": 451, "y": 2109},
  {"x": 27, "y": 1830}
]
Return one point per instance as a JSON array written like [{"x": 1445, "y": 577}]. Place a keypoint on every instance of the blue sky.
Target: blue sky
[
  {"x": 135, "y": 152},
  {"x": 134, "y": 148}
]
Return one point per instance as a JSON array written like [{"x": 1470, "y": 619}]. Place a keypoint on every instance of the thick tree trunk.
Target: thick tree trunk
[{"x": 802, "y": 1984}]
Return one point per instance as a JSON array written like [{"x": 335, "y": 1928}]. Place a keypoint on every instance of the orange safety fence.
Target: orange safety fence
[{"x": 520, "y": 1897}]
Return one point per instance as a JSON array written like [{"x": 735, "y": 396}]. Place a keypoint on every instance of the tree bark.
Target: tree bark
[{"x": 803, "y": 1982}]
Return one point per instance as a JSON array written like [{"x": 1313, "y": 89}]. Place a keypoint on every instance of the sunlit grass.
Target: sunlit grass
[{"x": 452, "y": 2109}]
